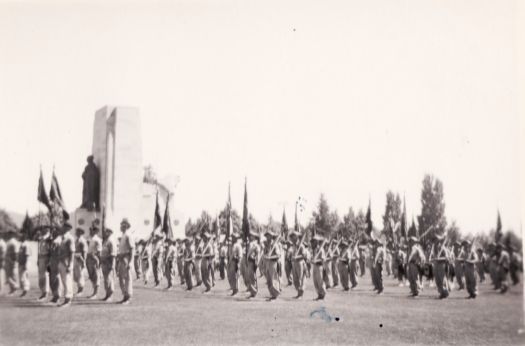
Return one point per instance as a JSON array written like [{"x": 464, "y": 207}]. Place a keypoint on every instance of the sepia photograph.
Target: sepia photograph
[{"x": 277, "y": 172}]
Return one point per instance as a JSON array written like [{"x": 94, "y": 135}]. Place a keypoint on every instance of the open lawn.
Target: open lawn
[{"x": 157, "y": 316}]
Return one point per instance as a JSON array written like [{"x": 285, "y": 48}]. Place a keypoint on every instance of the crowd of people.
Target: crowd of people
[{"x": 64, "y": 259}]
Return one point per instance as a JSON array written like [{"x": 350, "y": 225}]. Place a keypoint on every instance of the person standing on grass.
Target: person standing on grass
[
  {"x": 288, "y": 259},
  {"x": 272, "y": 256},
  {"x": 157, "y": 258},
  {"x": 139, "y": 247},
  {"x": 80, "y": 260},
  {"x": 180, "y": 261},
  {"x": 503, "y": 267},
  {"x": 401, "y": 259},
  {"x": 299, "y": 259},
  {"x": 480, "y": 266},
  {"x": 327, "y": 265},
  {"x": 189, "y": 263},
  {"x": 416, "y": 259},
  {"x": 126, "y": 251},
  {"x": 471, "y": 259},
  {"x": 24, "y": 252},
  {"x": 318, "y": 260},
  {"x": 252, "y": 260},
  {"x": 208, "y": 255},
  {"x": 198, "y": 260},
  {"x": 107, "y": 263},
  {"x": 11, "y": 261},
  {"x": 344, "y": 265},
  {"x": 234, "y": 261},
  {"x": 93, "y": 260},
  {"x": 171, "y": 258},
  {"x": 378, "y": 265},
  {"x": 66, "y": 262},
  {"x": 223, "y": 258},
  {"x": 354, "y": 258},
  {"x": 54, "y": 260},
  {"x": 441, "y": 258},
  {"x": 459, "y": 260}
]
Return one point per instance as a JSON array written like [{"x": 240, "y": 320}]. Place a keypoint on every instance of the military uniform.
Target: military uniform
[
  {"x": 327, "y": 266},
  {"x": 24, "y": 252},
  {"x": 318, "y": 260},
  {"x": 171, "y": 258},
  {"x": 80, "y": 262},
  {"x": 93, "y": 262},
  {"x": 157, "y": 258},
  {"x": 107, "y": 264},
  {"x": 344, "y": 266},
  {"x": 207, "y": 264},
  {"x": 11, "y": 261},
  {"x": 272, "y": 256},
  {"x": 65, "y": 266},
  {"x": 459, "y": 262},
  {"x": 299, "y": 269},
  {"x": 233, "y": 267},
  {"x": 126, "y": 252},
  {"x": 334, "y": 254},
  {"x": 355, "y": 257},
  {"x": 189, "y": 264},
  {"x": 416, "y": 259},
  {"x": 252, "y": 260},
  {"x": 401, "y": 259},
  {"x": 288, "y": 258},
  {"x": 139, "y": 247},
  {"x": 480, "y": 266},
  {"x": 471, "y": 260},
  {"x": 180, "y": 263},
  {"x": 379, "y": 260},
  {"x": 503, "y": 270},
  {"x": 223, "y": 254},
  {"x": 54, "y": 271},
  {"x": 198, "y": 263},
  {"x": 441, "y": 259},
  {"x": 44, "y": 248}
]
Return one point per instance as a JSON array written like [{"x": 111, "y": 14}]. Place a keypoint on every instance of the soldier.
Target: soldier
[
  {"x": 288, "y": 258},
  {"x": 327, "y": 266},
  {"x": 344, "y": 265},
  {"x": 318, "y": 261},
  {"x": 252, "y": 259},
  {"x": 503, "y": 267},
  {"x": 189, "y": 263},
  {"x": 207, "y": 261},
  {"x": 24, "y": 252},
  {"x": 2, "y": 260},
  {"x": 198, "y": 260},
  {"x": 459, "y": 259},
  {"x": 157, "y": 257},
  {"x": 334, "y": 254},
  {"x": 171, "y": 258},
  {"x": 107, "y": 263},
  {"x": 44, "y": 246},
  {"x": 515, "y": 265},
  {"x": 80, "y": 260},
  {"x": 480, "y": 266},
  {"x": 401, "y": 259},
  {"x": 354, "y": 259},
  {"x": 379, "y": 259},
  {"x": 146, "y": 262},
  {"x": 299, "y": 258},
  {"x": 223, "y": 254},
  {"x": 11, "y": 261},
  {"x": 54, "y": 261},
  {"x": 126, "y": 251},
  {"x": 493, "y": 266},
  {"x": 471, "y": 259},
  {"x": 388, "y": 262},
  {"x": 93, "y": 260},
  {"x": 372, "y": 251},
  {"x": 180, "y": 261},
  {"x": 66, "y": 263},
  {"x": 139, "y": 247},
  {"x": 416, "y": 259},
  {"x": 441, "y": 258},
  {"x": 362, "y": 260},
  {"x": 272, "y": 256}
]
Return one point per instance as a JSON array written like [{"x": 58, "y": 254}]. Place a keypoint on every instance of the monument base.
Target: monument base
[{"x": 84, "y": 218}]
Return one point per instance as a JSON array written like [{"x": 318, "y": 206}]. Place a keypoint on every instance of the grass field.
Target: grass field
[{"x": 157, "y": 316}]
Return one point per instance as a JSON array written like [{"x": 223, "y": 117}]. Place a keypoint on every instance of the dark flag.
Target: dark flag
[
  {"x": 166, "y": 225},
  {"x": 369, "y": 224},
  {"x": 157, "y": 219},
  {"x": 499, "y": 234},
  {"x": 296, "y": 220},
  {"x": 404, "y": 220},
  {"x": 56, "y": 197},
  {"x": 42, "y": 195},
  {"x": 284, "y": 225},
  {"x": 229, "y": 225},
  {"x": 245, "y": 218}
]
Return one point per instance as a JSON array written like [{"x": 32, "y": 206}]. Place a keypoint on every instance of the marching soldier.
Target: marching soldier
[
  {"x": 44, "y": 247},
  {"x": 189, "y": 263},
  {"x": 401, "y": 260},
  {"x": 344, "y": 265},
  {"x": 334, "y": 254},
  {"x": 378, "y": 265},
  {"x": 107, "y": 263},
  {"x": 471, "y": 259},
  {"x": 80, "y": 260},
  {"x": 54, "y": 260},
  {"x": 459, "y": 259},
  {"x": 416, "y": 259},
  {"x": 441, "y": 258},
  {"x": 503, "y": 267},
  {"x": 327, "y": 273},
  {"x": 354, "y": 258},
  {"x": 126, "y": 251},
  {"x": 362, "y": 260},
  {"x": 11, "y": 261},
  {"x": 318, "y": 260},
  {"x": 157, "y": 257},
  {"x": 180, "y": 261},
  {"x": 272, "y": 256},
  {"x": 223, "y": 254},
  {"x": 515, "y": 265},
  {"x": 93, "y": 259},
  {"x": 207, "y": 261},
  {"x": 171, "y": 258},
  {"x": 139, "y": 247},
  {"x": 480, "y": 266},
  {"x": 66, "y": 263},
  {"x": 234, "y": 264},
  {"x": 146, "y": 262},
  {"x": 2, "y": 260},
  {"x": 252, "y": 259},
  {"x": 299, "y": 258},
  {"x": 24, "y": 252},
  {"x": 198, "y": 260},
  {"x": 288, "y": 258}
]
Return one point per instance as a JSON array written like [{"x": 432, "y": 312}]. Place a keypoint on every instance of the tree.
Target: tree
[
  {"x": 453, "y": 233},
  {"x": 412, "y": 231},
  {"x": 321, "y": 217},
  {"x": 499, "y": 232},
  {"x": 284, "y": 225},
  {"x": 28, "y": 229},
  {"x": 369, "y": 223},
  {"x": 348, "y": 226},
  {"x": 6, "y": 223},
  {"x": 392, "y": 216},
  {"x": 432, "y": 217}
]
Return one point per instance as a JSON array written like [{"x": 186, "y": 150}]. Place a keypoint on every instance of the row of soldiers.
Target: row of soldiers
[{"x": 62, "y": 260}]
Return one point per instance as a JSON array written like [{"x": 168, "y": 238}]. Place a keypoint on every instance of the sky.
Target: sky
[{"x": 346, "y": 98}]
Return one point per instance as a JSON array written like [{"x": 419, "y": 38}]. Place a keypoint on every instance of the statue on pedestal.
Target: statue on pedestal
[{"x": 91, "y": 188}]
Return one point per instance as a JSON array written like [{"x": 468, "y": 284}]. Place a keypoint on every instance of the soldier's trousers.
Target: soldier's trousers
[
  {"x": 124, "y": 277},
  {"x": 470, "y": 279},
  {"x": 222, "y": 267},
  {"x": 198, "y": 276},
  {"x": 109, "y": 279},
  {"x": 157, "y": 269},
  {"x": 23, "y": 277},
  {"x": 327, "y": 276},
  {"x": 251, "y": 275},
  {"x": 78, "y": 272},
  {"x": 233, "y": 275},
  {"x": 319, "y": 283},
  {"x": 481, "y": 271},
  {"x": 54, "y": 278},
  {"x": 169, "y": 271},
  {"x": 344, "y": 274},
  {"x": 335, "y": 271},
  {"x": 43, "y": 274},
  {"x": 413, "y": 278},
  {"x": 378, "y": 269},
  {"x": 458, "y": 270},
  {"x": 440, "y": 270},
  {"x": 92, "y": 266},
  {"x": 10, "y": 275},
  {"x": 206, "y": 270},
  {"x": 298, "y": 273},
  {"x": 494, "y": 275},
  {"x": 188, "y": 275},
  {"x": 180, "y": 270},
  {"x": 288, "y": 272},
  {"x": 362, "y": 265},
  {"x": 373, "y": 276},
  {"x": 66, "y": 277},
  {"x": 272, "y": 278},
  {"x": 354, "y": 270},
  {"x": 138, "y": 266}
]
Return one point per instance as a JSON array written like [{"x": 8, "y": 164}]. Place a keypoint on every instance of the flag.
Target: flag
[
  {"x": 284, "y": 225},
  {"x": 42, "y": 195},
  {"x": 229, "y": 225},
  {"x": 296, "y": 220},
  {"x": 369, "y": 223},
  {"x": 166, "y": 224},
  {"x": 245, "y": 218},
  {"x": 499, "y": 234},
  {"x": 55, "y": 196},
  {"x": 157, "y": 220},
  {"x": 403, "y": 225}
]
